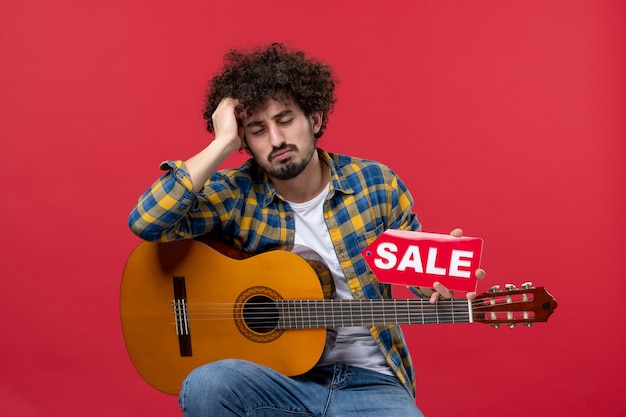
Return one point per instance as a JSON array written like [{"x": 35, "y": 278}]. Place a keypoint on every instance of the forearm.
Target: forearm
[
  {"x": 160, "y": 211},
  {"x": 202, "y": 165}
]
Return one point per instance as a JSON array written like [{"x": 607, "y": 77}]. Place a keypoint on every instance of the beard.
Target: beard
[{"x": 290, "y": 169}]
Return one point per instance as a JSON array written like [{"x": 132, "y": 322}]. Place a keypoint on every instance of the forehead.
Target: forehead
[{"x": 272, "y": 108}]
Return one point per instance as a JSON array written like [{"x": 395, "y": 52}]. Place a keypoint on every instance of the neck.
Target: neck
[{"x": 308, "y": 184}]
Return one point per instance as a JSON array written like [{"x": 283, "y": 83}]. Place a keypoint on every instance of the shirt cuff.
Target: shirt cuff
[{"x": 179, "y": 171}]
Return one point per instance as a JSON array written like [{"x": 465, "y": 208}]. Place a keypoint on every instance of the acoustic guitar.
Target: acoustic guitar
[{"x": 187, "y": 303}]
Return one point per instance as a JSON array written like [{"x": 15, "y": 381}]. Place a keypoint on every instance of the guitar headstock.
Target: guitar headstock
[{"x": 525, "y": 305}]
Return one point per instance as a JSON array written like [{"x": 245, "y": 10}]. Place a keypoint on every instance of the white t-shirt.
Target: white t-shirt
[{"x": 353, "y": 345}]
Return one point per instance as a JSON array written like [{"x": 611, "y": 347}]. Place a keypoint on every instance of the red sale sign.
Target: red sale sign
[{"x": 420, "y": 259}]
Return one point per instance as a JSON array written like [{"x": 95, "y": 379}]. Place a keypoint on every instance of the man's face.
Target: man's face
[{"x": 281, "y": 138}]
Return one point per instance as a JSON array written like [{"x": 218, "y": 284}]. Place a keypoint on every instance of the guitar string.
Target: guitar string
[
  {"x": 476, "y": 303},
  {"x": 306, "y": 308},
  {"x": 382, "y": 305},
  {"x": 301, "y": 311}
]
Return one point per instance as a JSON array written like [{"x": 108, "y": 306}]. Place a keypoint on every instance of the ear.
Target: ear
[
  {"x": 244, "y": 145},
  {"x": 316, "y": 121}
]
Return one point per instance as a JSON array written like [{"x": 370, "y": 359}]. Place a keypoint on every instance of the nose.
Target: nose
[{"x": 276, "y": 137}]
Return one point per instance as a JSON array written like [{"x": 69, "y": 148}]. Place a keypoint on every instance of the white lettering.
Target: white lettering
[
  {"x": 411, "y": 259},
  {"x": 460, "y": 259},
  {"x": 430, "y": 263},
  {"x": 386, "y": 251}
]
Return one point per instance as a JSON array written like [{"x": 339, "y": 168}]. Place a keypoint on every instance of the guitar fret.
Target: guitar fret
[
  {"x": 452, "y": 311},
  {"x": 284, "y": 316},
  {"x": 407, "y": 313},
  {"x": 298, "y": 314},
  {"x": 341, "y": 313},
  {"x": 350, "y": 309},
  {"x": 318, "y": 314},
  {"x": 395, "y": 311},
  {"x": 361, "y": 312},
  {"x": 281, "y": 315}
]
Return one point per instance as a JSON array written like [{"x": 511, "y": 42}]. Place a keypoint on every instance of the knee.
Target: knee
[
  {"x": 210, "y": 388},
  {"x": 213, "y": 377}
]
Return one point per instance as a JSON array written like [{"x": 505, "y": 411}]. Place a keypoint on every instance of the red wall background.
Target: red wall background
[{"x": 504, "y": 117}]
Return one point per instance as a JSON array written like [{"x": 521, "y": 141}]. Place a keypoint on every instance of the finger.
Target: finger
[
  {"x": 441, "y": 289},
  {"x": 434, "y": 298},
  {"x": 470, "y": 295},
  {"x": 225, "y": 103},
  {"x": 229, "y": 101},
  {"x": 441, "y": 292},
  {"x": 458, "y": 232},
  {"x": 480, "y": 273}
]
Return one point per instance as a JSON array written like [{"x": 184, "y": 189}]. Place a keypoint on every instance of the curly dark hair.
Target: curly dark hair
[{"x": 273, "y": 72}]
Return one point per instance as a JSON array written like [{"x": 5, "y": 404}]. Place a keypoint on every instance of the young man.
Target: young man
[{"x": 274, "y": 103}]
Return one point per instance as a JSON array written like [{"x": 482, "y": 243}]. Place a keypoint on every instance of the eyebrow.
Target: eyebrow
[{"x": 277, "y": 116}]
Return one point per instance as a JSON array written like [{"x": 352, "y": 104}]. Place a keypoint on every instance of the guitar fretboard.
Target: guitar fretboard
[{"x": 294, "y": 314}]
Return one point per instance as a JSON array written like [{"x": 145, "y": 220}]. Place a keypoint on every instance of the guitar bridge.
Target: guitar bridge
[{"x": 181, "y": 316}]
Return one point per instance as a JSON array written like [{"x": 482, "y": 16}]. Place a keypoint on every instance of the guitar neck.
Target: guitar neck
[{"x": 328, "y": 313}]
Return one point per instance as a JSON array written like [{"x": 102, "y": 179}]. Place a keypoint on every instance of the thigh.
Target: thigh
[
  {"x": 369, "y": 393},
  {"x": 232, "y": 388}
]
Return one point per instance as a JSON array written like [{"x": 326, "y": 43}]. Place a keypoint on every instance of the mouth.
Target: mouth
[{"x": 281, "y": 154}]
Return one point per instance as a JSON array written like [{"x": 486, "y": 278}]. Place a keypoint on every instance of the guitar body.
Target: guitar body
[{"x": 152, "y": 327}]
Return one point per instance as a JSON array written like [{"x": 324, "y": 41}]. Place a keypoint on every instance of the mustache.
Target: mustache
[{"x": 275, "y": 150}]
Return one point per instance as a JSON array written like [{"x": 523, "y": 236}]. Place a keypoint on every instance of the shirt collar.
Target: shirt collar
[{"x": 338, "y": 182}]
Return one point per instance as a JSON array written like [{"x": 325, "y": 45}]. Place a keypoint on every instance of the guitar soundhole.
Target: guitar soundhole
[
  {"x": 260, "y": 314},
  {"x": 256, "y": 314}
]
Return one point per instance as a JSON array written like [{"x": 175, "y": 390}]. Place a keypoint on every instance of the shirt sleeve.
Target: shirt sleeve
[
  {"x": 159, "y": 213},
  {"x": 402, "y": 215}
]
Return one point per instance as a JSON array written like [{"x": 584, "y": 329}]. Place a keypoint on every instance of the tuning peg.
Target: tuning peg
[
  {"x": 509, "y": 286},
  {"x": 512, "y": 325},
  {"x": 495, "y": 288},
  {"x": 527, "y": 286},
  {"x": 529, "y": 324},
  {"x": 496, "y": 325}
]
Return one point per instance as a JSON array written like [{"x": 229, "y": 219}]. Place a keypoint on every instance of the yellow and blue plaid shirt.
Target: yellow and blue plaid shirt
[{"x": 365, "y": 198}]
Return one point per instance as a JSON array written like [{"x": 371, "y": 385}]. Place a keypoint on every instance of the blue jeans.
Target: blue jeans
[{"x": 231, "y": 388}]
